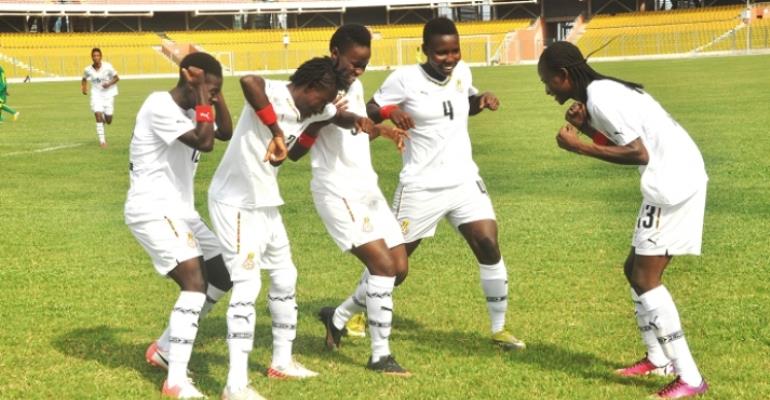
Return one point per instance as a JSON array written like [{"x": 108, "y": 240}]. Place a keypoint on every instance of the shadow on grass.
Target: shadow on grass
[{"x": 545, "y": 356}]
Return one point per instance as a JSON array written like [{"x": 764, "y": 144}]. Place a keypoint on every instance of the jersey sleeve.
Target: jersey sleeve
[
  {"x": 392, "y": 91},
  {"x": 616, "y": 117},
  {"x": 472, "y": 91},
  {"x": 170, "y": 124},
  {"x": 85, "y": 73}
]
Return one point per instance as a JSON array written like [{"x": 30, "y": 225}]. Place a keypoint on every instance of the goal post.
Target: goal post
[{"x": 476, "y": 50}]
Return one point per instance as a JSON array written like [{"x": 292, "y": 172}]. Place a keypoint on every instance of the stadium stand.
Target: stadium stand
[
  {"x": 664, "y": 32},
  {"x": 67, "y": 54}
]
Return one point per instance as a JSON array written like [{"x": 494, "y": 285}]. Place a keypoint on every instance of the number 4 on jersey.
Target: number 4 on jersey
[{"x": 448, "y": 110}]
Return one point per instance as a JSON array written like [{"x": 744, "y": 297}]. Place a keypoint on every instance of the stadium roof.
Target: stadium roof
[{"x": 105, "y": 8}]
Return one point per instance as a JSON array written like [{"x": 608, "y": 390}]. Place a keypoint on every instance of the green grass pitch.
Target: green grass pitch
[{"x": 79, "y": 300}]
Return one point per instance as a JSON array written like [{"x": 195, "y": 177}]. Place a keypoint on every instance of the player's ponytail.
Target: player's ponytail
[{"x": 567, "y": 56}]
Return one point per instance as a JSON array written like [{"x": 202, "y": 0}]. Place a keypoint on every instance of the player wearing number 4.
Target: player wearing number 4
[
  {"x": 243, "y": 203},
  {"x": 629, "y": 127},
  {"x": 172, "y": 129},
  {"x": 439, "y": 178},
  {"x": 104, "y": 88}
]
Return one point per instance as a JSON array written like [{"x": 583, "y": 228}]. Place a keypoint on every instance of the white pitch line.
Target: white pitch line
[{"x": 43, "y": 150}]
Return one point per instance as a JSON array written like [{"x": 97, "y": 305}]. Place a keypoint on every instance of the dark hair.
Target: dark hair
[
  {"x": 319, "y": 72},
  {"x": 96, "y": 49},
  {"x": 438, "y": 26},
  {"x": 348, "y": 35},
  {"x": 204, "y": 61},
  {"x": 566, "y": 55}
]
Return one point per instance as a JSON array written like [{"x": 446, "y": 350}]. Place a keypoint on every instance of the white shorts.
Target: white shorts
[
  {"x": 170, "y": 241},
  {"x": 419, "y": 211},
  {"x": 252, "y": 239},
  {"x": 670, "y": 230},
  {"x": 103, "y": 104},
  {"x": 354, "y": 222}
]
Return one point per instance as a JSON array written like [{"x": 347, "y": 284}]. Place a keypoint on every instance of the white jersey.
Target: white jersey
[
  {"x": 341, "y": 160},
  {"x": 161, "y": 167},
  {"x": 675, "y": 170},
  {"x": 439, "y": 151},
  {"x": 100, "y": 76},
  {"x": 242, "y": 178}
]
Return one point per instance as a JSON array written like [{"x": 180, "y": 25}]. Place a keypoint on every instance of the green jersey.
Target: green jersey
[{"x": 3, "y": 84}]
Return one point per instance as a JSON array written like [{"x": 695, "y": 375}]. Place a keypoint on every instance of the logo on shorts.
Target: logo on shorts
[
  {"x": 249, "y": 262},
  {"x": 404, "y": 226},
  {"x": 191, "y": 240},
  {"x": 367, "y": 225}
]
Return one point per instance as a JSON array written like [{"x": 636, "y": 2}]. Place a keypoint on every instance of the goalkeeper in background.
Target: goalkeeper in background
[{"x": 3, "y": 96}]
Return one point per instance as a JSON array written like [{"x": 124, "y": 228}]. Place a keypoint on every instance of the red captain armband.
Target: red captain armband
[
  {"x": 204, "y": 113},
  {"x": 600, "y": 139},
  {"x": 306, "y": 140},
  {"x": 385, "y": 111},
  {"x": 267, "y": 115}
]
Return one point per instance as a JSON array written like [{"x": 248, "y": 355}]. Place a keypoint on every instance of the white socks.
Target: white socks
[
  {"x": 241, "y": 318},
  {"x": 100, "y": 132},
  {"x": 183, "y": 326},
  {"x": 664, "y": 319},
  {"x": 353, "y": 304},
  {"x": 281, "y": 300},
  {"x": 379, "y": 308},
  {"x": 494, "y": 281},
  {"x": 654, "y": 352},
  {"x": 213, "y": 294}
]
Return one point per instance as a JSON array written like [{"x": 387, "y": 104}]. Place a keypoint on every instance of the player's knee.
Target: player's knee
[
  {"x": 190, "y": 277},
  {"x": 283, "y": 281},
  {"x": 487, "y": 250},
  {"x": 217, "y": 274}
]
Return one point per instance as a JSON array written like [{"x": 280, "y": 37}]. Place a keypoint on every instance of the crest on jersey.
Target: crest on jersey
[
  {"x": 367, "y": 225},
  {"x": 459, "y": 85},
  {"x": 191, "y": 240},
  {"x": 404, "y": 226},
  {"x": 248, "y": 263}
]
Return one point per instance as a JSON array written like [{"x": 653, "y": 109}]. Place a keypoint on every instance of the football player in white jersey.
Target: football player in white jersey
[
  {"x": 243, "y": 203},
  {"x": 104, "y": 87},
  {"x": 439, "y": 178},
  {"x": 629, "y": 127},
  {"x": 172, "y": 129},
  {"x": 352, "y": 207}
]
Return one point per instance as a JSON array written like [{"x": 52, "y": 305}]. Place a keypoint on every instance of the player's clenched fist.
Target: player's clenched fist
[
  {"x": 567, "y": 138},
  {"x": 577, "y": 115}
]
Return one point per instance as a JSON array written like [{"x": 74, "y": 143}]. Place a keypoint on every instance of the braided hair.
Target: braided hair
[
  {"x": 566, "y": 55},
  {"x": 319, "y": 72},
  {"x": 348, "y": 35}
]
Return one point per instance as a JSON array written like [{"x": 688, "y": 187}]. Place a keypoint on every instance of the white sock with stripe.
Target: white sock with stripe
[
  {"x": 494, "y": 281},
  {"x": 379, "y": 308},
  {"x": 213, "y": 294},
  {"x": 100, "y": 132},
  {"x": 282, "y": 302},
  {"x": 183, "y": 325},
  {"x": 241, "y": 318},
  {"x": 654, "y": 352},
  {"x": 353, "y": 304},
  {"x": 664, "y": 319}
]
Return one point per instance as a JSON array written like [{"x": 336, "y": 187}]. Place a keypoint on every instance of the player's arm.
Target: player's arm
[
  {"x": 389, "y": 112},
  {"x": 202, "y": 137},
  {"x": 348, "y": 120},
  {"x": 306, "y": 140},
  {"x": 633, "y": 153},
  {"x": 224, "y": 121},
  {"x": 253, "y": 88},
  {"x": 111, "y": 82},
  {"x": 478, "y": 102},
  {"x": 84, "y": 86}
]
